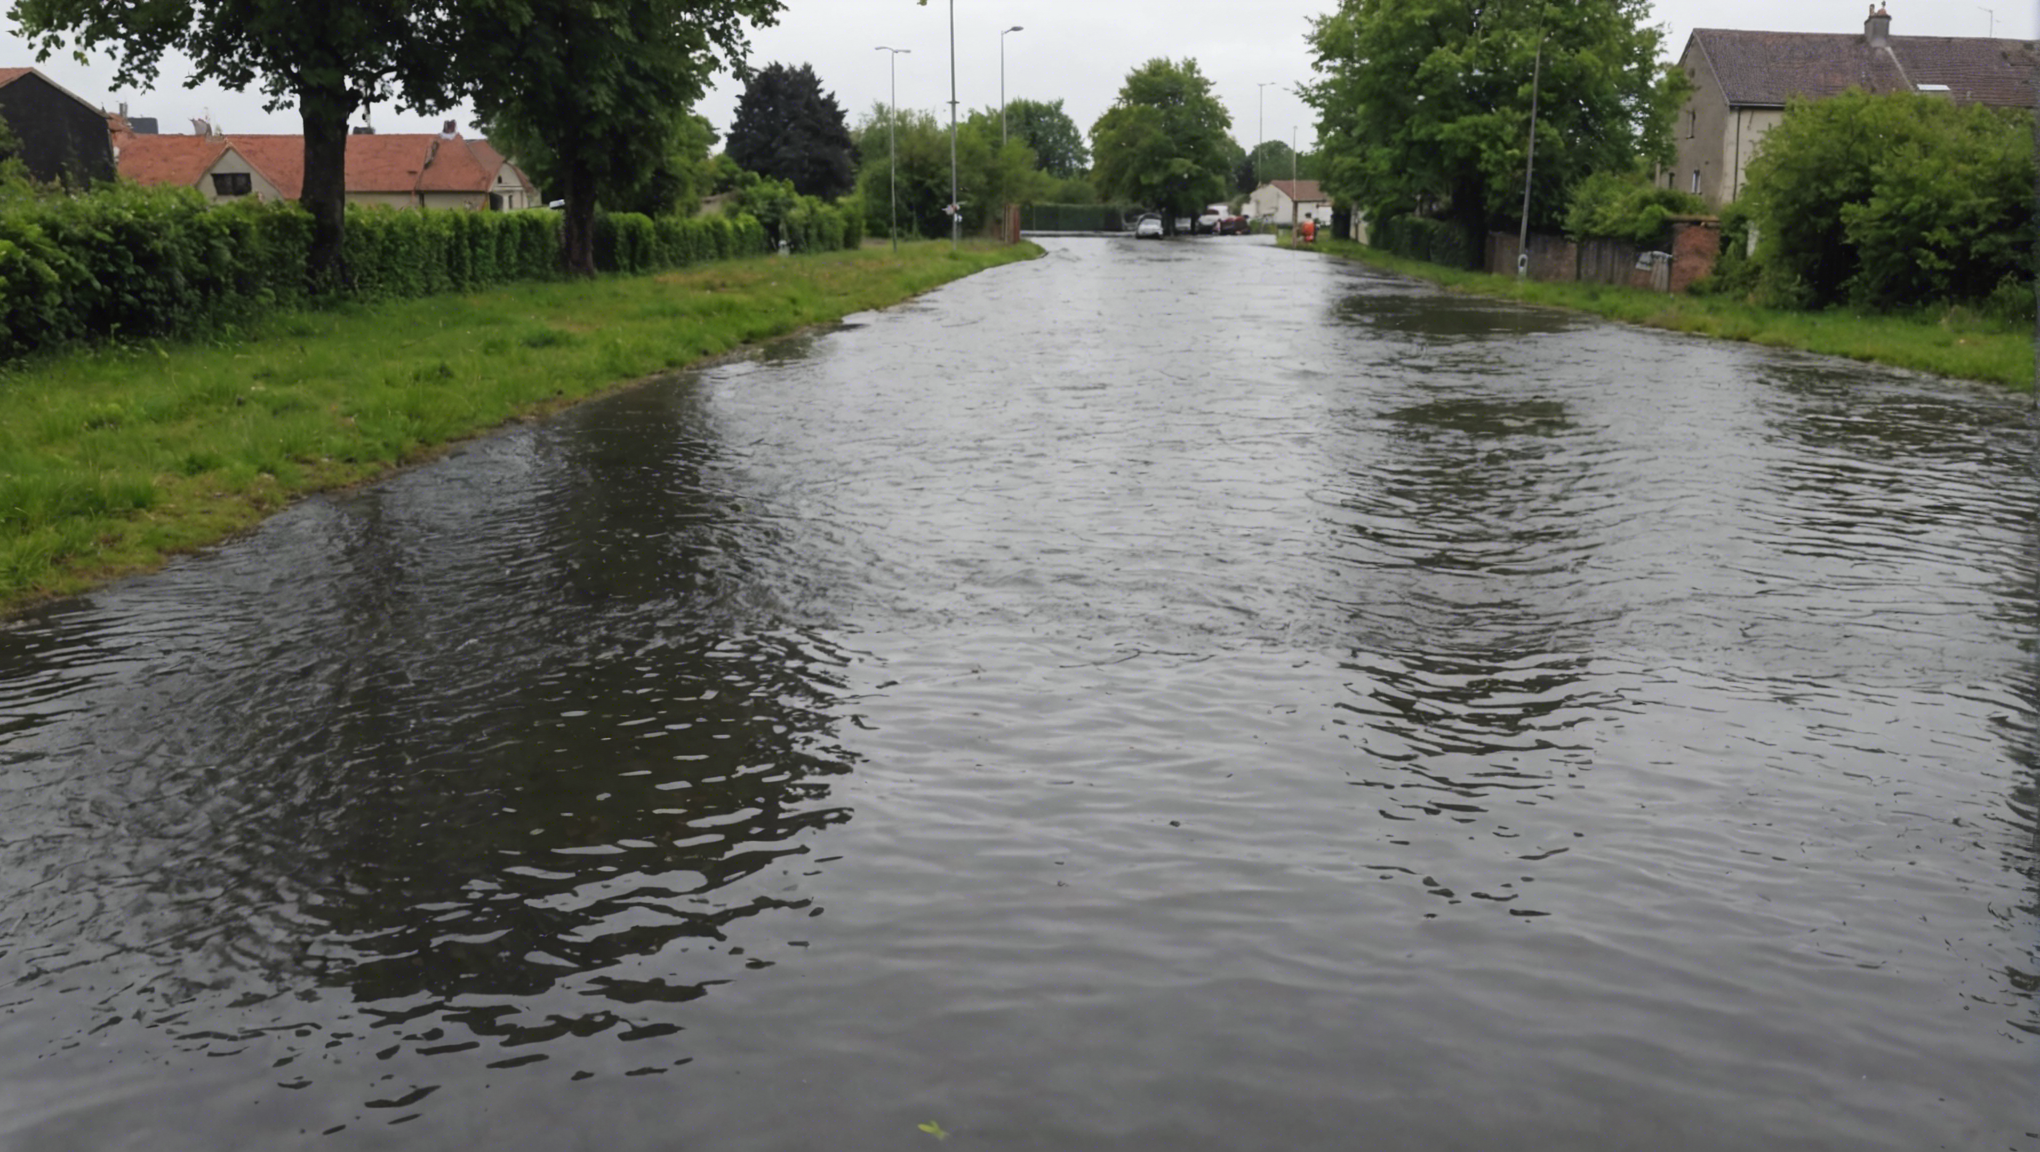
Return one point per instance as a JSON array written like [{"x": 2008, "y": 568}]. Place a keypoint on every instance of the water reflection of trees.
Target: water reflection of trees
[{"x": 510, "y": 740}]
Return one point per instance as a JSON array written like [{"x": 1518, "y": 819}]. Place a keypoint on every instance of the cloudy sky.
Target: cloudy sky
[{"x": 1078, "y": 51}]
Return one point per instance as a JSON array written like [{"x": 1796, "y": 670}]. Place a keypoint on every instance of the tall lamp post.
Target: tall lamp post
[
  {"x": 955, "y": 209},
  {"x": 892, "y": 127},
  {"x": 1002, "y": 82},
  {"x": 1261, "y": 132}
]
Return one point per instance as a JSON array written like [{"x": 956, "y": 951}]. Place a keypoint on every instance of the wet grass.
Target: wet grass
[
  {"x": 113, "y": 460},
  {"x": 1947, "y": 342}
]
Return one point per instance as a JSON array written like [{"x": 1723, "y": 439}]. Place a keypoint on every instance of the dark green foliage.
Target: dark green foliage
[
  {"x": 135, "y": 263},
  {"x": 1441, "y": 242},
  {"x": 1164, "y": 142},
  {"x": 604, "y": 89},
  {"x": 1890, "y": 202},
  {"x": 1049, "y": 133},
  {"x": 787, "y": 128},
  {"x": 988, "y": 176},
  {"x": 1629, "y": 208},
  {"x": 1424, "y": 105}
]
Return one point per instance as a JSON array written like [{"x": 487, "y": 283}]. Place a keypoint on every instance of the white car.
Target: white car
[{"x": 1149, "y": 228}]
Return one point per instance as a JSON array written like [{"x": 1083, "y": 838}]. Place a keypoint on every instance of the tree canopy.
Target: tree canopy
[
  {"x": 1889, "y": 201},
  {"x": 789, "y": 129},
  {"x": 327, "y": 59},
  {"x": 989, "y": 175},
  {"x": 1054, "y": 138},
  {"x": 1163, "y": 143},
  {"x": 1424, "y": 105},
  {"x": 601, "y": 89}
]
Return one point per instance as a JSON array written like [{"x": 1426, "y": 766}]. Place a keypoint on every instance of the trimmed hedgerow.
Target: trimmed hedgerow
[{"x": 130, "y": 262}]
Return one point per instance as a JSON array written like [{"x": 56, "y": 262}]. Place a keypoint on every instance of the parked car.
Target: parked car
[
  {"x": 1232, "y": 226},
  {"x": 1148, "y": 228},
  {"x": 1209, "y": 222}
]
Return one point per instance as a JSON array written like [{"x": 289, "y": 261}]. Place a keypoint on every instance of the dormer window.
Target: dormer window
[{"x": 232, "y": 184}]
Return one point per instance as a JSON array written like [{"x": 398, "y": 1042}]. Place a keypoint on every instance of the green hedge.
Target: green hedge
[
  {"x": 129, "y": 262},
  {"x": 1432, "y": 241}
]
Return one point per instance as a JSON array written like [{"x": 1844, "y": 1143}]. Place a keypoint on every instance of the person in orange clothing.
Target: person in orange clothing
[{"x": 1308, "y": 230}]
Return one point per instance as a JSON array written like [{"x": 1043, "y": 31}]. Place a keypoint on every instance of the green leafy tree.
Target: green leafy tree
[
  {"x": 674, "y": 185},
  {"x": 989, "y": 175},
  {"x": 1424, "y": 105},
  {"x": 1163, "y": 143},
  {"x": 604, "y": 89},
  {"x": 1047, "y": 130},
  {"x": 1269, "y": 160},
  {"x": 788, "y": 128},
  {"x": 327, "y": 59},
  {"x": 1889, "y": 201}
]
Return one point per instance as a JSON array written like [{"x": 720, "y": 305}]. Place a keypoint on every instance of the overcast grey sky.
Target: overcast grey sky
[{"x": 1078, "y": 51}]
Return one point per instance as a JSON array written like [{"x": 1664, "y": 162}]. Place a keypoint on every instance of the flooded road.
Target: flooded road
[{"x": 1160, "y": 696}]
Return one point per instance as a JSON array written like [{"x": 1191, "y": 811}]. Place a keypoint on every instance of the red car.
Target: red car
[{"x": 1232, "y": 226}]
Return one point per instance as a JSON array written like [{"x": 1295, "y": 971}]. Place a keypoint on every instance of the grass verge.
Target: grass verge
[
  {"x": 113, "y": 460},
  {"x": 1954, "y": 343}
]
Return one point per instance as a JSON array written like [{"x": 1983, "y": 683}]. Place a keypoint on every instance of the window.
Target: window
[
  {"x": 1696, "y": 181},
  {"x": 1692, "y": 123},
  {"x": 232, "y": 184}
]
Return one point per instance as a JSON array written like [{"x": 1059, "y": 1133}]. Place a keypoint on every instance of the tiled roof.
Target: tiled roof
[
  {"x": 1767, "y": 69},
  {"x": 10, "y": 75},
  {"x": 1301, "y": 191},
  {"x": 179, "y": 160},
  {"x": 376, "y": 165}
]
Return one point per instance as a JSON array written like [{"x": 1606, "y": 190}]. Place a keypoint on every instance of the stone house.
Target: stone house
[{"x": 1743, "y": 80}]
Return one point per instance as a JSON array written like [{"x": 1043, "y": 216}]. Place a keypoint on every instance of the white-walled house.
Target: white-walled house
[{"x": 1288, "y": 201}]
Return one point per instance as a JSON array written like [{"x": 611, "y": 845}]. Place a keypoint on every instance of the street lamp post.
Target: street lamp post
[
  {"x": 955, "y": 209},
  {"x": 1261, "y": 132},
  {"x": 892, "y": 139},
  {"x": 1002, "y": 82}
]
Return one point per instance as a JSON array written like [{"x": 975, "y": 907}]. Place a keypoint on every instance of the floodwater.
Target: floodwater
[{"x": 1161, "y": 696}]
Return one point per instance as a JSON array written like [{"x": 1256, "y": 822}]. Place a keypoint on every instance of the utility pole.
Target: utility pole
[
  {"x": 1261, "y": 131},
  {"x": 1529, "y": 166},
  {"x": 892, "y": 128}
]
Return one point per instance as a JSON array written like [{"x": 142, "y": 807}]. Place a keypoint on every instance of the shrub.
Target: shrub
[
  {"x": 1628, "y": 208},
  {"x": 1433, "y": 241},
  {"x": 1892, "y": 201}
]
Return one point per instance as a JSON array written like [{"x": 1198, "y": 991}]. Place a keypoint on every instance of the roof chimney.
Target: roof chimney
[
  {"x": 1877, "y": 29},
  {"x": 200, "y": 127},
  {"x": 449, "y": 129},
  {"x": 364, "y": 130}
]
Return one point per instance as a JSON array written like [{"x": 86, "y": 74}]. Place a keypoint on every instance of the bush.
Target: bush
[
  {"x": 1893, "y": 201},
  {"x": 1628, "y": 208},
  {"x": 1433, "y": 241}
]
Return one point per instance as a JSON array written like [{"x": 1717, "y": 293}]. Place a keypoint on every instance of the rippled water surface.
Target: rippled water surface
[{"x": 1168, "y": 696}]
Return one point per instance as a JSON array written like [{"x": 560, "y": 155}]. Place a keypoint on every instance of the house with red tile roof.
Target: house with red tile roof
[
  {"x": 1743, "y": 80},
  {"x": 63, "y": 137},
  {"x": 400, "y": 170}
]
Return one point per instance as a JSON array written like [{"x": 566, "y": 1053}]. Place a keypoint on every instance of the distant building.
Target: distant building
[
  {"x": 62, "y": 137},
  {"x": 401, "y": 170},
  {"x": 1743, "y": 80},
  {"x": 1288, "y": 201}
]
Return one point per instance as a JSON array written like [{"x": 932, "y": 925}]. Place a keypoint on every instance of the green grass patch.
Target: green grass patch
[
  {"x": 1949, "y": 342},
  {"x": 115, "y": 458}
]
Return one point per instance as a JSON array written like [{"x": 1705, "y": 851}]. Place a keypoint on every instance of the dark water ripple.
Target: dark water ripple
[{"x": 1161, "y": 696}]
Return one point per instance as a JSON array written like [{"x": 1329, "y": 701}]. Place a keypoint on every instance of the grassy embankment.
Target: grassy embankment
[
  {"x": 113, "y": 460},
  {"x": 1950, "y": 342}
]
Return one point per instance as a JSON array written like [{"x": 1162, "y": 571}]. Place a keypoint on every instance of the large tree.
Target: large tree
[
  {"x": 990, "y": 175},
  {"x": 1163, "y": 143},
  {"x": 1055, "y": 139},
  {"x": 1424, "y": 105},
  {"x": 327, "y": 58},
  {"x": 604, "y": 89},
  {"x": 788, "y": 128}
]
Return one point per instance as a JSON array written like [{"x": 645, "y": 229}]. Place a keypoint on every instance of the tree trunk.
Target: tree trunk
[
  {"x": 325, "y": 189},
  {"x": 577, "y": 233}
]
